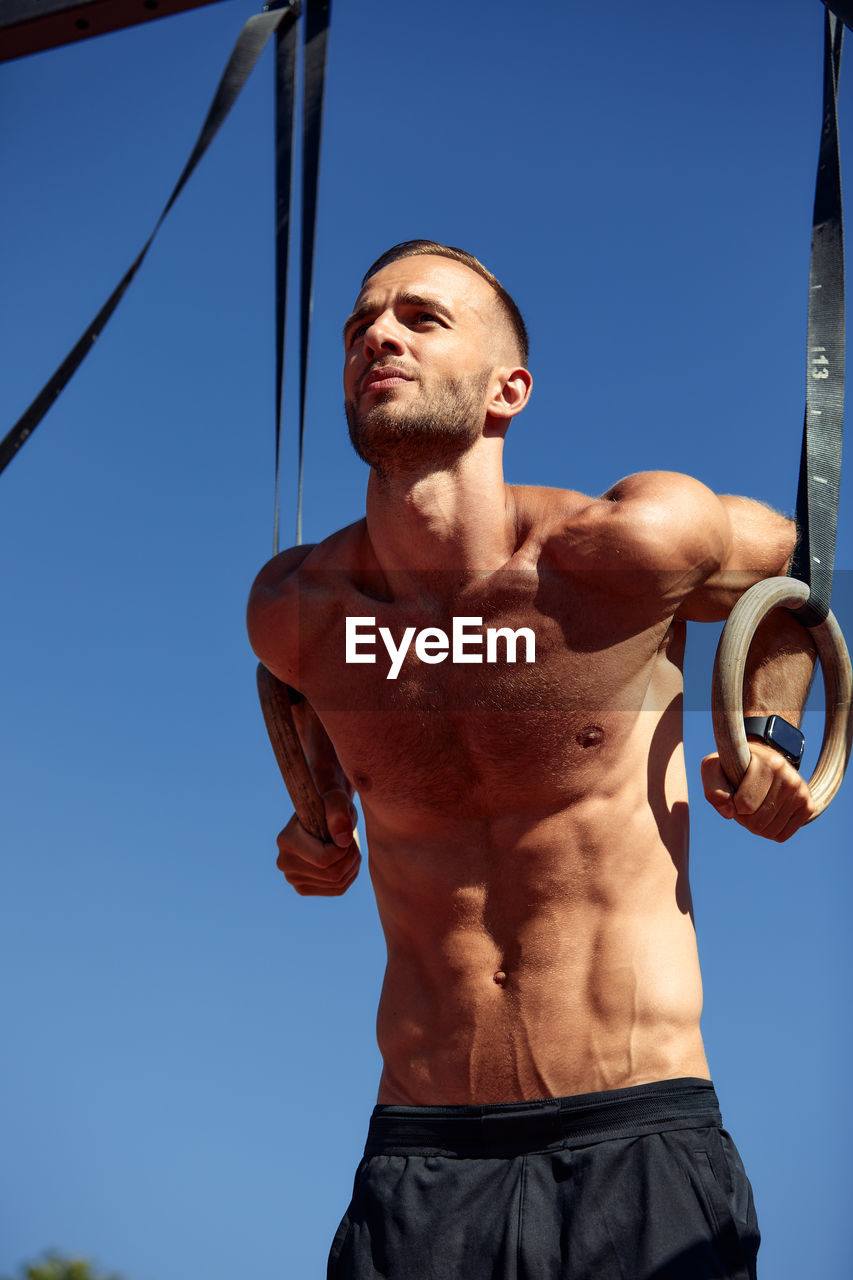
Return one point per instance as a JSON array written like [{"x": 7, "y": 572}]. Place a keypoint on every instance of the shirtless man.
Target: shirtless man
[{"x": 545, "y": 1107}]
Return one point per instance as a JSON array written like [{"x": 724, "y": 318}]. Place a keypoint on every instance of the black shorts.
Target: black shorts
[{"x": 633, "y": 1184}]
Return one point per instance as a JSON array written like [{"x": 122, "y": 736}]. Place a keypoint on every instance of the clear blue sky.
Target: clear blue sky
[{"x": 188, "y": 1061}]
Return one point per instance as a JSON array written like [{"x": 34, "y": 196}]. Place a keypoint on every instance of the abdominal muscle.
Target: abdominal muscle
[{"x": 532, "y": 958}]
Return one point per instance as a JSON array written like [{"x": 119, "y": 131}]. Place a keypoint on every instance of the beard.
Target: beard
[{"x": 433, "y": 435}]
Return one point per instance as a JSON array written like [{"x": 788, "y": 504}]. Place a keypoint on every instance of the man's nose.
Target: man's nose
[{"x": 382, "y": 334}]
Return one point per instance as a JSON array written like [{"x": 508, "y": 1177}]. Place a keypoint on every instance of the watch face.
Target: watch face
[{"x": 785, "y": 737}]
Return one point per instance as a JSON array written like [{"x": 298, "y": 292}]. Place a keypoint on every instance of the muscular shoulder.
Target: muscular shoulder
[
  {"x": 281, "y": 590},
  {"x": 652, "y": 518},
  {"x": 664, "y": 520},
  {"x": 657, "y": 530}
]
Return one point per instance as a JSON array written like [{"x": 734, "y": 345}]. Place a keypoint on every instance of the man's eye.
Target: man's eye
[{"x": 425, "y": 316}]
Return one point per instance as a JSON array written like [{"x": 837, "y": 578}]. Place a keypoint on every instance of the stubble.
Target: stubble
[{"x": 434, "y": 433}]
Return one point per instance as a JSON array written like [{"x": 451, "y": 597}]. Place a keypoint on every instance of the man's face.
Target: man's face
[{"x": 418, "y": 363}]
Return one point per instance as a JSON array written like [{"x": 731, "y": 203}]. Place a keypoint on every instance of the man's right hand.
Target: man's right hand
[{"x": 312, "y": 867}]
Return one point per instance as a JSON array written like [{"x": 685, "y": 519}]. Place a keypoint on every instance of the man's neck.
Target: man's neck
[{"x": 459, "y": 519}]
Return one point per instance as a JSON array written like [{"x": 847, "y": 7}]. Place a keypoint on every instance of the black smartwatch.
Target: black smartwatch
[{"x": 777, "y": 733}]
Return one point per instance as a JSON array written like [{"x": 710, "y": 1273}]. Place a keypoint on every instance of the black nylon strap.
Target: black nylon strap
[
  {"x": 244, "y": 55},
  {"x": 316, "y": 43},
  {"x": 285, "y": 100},
  {"x": 820, "y": 457},
  {"x": 842, "y": 9}
]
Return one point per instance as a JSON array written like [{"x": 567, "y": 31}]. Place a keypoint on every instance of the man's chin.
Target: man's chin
[
  {"x": 394, "y": 453},
  {"x": 376, "y": 436},
  {"x": 387, "y": 449},
  {"x": 390, "y": 436}
]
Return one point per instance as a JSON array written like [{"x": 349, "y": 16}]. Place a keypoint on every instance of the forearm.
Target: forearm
[
  {"x": 781, "y": 658},
  {"x": 319, "y": 750},
  {"x": 311, "y": 864},
  {"x": 779, "y": 668},
  {"x": 771, "y": 799}
]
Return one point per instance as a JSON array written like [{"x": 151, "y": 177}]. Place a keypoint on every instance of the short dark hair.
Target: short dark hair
[{"x": 414, "y": 248}]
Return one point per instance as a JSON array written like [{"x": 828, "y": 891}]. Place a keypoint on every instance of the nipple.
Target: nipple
[
  {"x": 591, "y": 735},
  {"x": 500, "y": 978}
]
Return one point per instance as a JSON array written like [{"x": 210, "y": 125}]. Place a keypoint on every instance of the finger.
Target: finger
[
  {"x": 795, "y": 823},
  {"x": 772, "y": 796},
  {"x": 296, "y": 841},
  {"x": 756, "y": 784},
  {"x": 717, "y": 788},
  {"x": 770, "y": 817},
  {"x": 331, "y": 883},
  {"x": 793, "y": 808},
  {"x": 340, "y": 817},
  {"x": 330, "y": 890},
  {"x": 322, "y": 890},
  {"x": 757, "y": 812},
  {"x": 291, "y": 861}
]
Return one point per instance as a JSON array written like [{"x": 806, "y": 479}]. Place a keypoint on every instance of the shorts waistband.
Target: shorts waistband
[{"x": 513, "y": 1128}]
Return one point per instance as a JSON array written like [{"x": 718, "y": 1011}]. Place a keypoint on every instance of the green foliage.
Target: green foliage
[{"x": 54, "y": 1266}]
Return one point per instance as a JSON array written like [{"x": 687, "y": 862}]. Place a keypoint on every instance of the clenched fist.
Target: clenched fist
[
  {"x": 314, "y": 867},
  {"x": 772, "y": 800}
]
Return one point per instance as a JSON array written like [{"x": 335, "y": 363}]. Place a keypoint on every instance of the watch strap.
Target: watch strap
[
  {"x": 756, "y": 725},
  {"x": 763, "y": 727}
]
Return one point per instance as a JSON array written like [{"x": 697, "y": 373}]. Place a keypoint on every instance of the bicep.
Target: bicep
[{"x": 760, "y": 546}]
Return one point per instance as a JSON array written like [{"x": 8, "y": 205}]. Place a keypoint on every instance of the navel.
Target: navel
[{"x": 591, "y": 735}]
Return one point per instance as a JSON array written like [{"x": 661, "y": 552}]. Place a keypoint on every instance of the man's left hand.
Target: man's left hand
[{"x": 772, "y": 800}]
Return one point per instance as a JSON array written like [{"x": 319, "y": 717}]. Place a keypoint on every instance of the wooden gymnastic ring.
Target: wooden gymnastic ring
[
  {"x": 278, "y": 718},
  {"x": 727, "y": 686}
]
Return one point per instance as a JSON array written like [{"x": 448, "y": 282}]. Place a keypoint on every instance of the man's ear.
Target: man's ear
[{"x": 511, "y": 393}]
